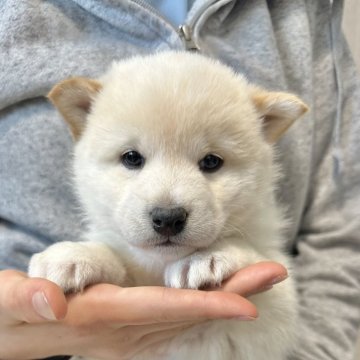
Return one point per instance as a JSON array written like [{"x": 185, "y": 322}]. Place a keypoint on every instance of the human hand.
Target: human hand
[{"x": 111, "y": 322}]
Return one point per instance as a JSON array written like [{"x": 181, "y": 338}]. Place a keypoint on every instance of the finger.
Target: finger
[
  {"x": 24, "y": 299},
  {"x": 255, "y": 278},
  {"x": 155, "y": 339},
  {"x": 131, "y": 345},
  {"x": 150, "y": 305},
  {"x": 143, "y": 330}
]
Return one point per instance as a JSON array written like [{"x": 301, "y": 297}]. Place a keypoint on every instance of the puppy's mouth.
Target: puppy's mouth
[
  {"x": 161, "y": 243},
  {"x": 167, "y": 243}
]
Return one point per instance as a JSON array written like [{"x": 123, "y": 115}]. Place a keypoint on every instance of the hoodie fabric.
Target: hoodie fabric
[{"x": 295, "y": 46}]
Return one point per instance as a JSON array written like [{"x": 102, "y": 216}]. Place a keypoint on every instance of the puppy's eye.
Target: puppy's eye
[
  {"x": 132, "y": 160},
  {"x": 211, "y": 163}
]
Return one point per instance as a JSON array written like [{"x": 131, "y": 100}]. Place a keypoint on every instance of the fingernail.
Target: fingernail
[
  {"x": 278, "y": 279},
  {"x": 42, "y": 307},
  {"x": 245, "y": 318}
]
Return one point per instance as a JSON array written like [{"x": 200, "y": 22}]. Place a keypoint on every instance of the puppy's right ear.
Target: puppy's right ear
[{"x": 73, "y": 99}]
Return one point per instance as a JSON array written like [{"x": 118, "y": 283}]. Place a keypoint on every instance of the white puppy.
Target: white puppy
[{"x": 174, "y": 168}]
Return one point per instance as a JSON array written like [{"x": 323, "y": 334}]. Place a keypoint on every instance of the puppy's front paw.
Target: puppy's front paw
[
  {"x": 199, "y": 271},
  {"x": 73, "y": 266}
]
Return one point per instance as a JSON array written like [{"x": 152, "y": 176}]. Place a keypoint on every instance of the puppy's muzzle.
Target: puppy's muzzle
[{"x": 168, "y": 222}]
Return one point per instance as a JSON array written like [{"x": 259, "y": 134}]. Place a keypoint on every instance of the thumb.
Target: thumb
[{"x": 24, "y": 299}]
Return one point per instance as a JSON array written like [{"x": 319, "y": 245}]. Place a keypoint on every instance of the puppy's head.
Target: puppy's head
[{"x": 173, "y": 150}]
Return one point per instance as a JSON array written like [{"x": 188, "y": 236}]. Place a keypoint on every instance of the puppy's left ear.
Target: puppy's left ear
[
  {"x": 73, "y": 99},
  {"x": 278, "y": 111}
]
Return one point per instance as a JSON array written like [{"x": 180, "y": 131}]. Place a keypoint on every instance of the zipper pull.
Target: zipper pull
[{"x": 185, "y": 34}]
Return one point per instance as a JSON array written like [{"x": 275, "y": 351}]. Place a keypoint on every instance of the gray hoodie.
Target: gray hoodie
[{"x": 287, "y": 45}]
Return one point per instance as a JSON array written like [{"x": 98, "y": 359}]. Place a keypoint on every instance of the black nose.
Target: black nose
[{"x": 168, "y": 222}]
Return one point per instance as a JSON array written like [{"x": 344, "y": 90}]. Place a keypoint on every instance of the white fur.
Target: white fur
[{"x": 175, "y": 108}]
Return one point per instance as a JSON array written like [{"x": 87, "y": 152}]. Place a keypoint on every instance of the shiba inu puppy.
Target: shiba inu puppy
[{"x": 174, "y": 168}]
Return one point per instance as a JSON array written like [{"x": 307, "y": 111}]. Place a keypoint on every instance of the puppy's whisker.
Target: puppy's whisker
[{"x": 231, "y": 229}]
